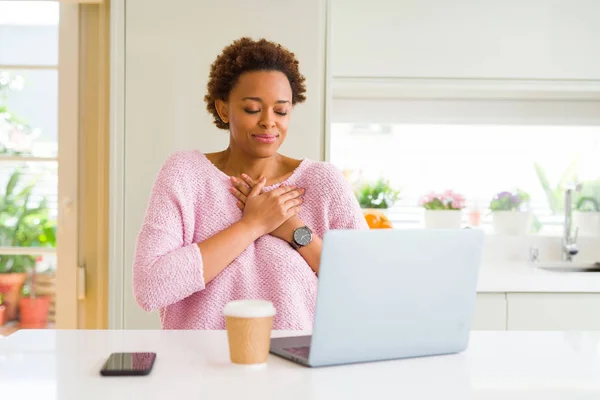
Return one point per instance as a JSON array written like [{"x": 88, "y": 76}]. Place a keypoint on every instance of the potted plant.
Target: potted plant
[
  {"x": 375, "y": 198},
  {"x": 443, "y": 210},
  {"x": 33, "y": 309},
  {"x": 21, "y": 225},
  {"x": 586, "y": 216},
  {"x": 586, "y": 208},
  {"x": 510, "y": 212}
]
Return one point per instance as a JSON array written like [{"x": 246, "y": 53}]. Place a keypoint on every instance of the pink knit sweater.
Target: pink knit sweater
[{"x": 189, "y": 203}]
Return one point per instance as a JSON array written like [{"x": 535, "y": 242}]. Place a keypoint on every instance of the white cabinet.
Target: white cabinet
[
  {"x": 466, "y": 39},
  {"x": 490, "y": 312},
  {"x": 553, "y": 311}
]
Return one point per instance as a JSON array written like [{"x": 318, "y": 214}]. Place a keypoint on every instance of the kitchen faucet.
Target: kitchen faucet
[{"x": 569, "y": 244}]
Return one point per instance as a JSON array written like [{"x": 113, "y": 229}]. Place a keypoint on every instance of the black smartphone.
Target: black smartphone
[{"x": 128, "y": 364}]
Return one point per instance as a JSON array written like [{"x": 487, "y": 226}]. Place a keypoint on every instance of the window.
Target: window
[
  {"x": 422, "y": 148},
  {"x": 29, "y": 138}
]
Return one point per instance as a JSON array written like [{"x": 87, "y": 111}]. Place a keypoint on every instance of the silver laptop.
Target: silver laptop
[{"x": 390, "y": 294}]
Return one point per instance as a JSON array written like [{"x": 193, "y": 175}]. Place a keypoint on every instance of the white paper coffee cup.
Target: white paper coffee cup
[{"x": 249, "y": 324}]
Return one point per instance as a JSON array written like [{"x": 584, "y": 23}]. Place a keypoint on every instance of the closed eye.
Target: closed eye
[{"x": 283, "y": 114}]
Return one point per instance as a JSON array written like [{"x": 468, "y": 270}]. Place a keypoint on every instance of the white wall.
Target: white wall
[
  {"x": 533, "y": 39},
  {"x": 168, "y": 51}
]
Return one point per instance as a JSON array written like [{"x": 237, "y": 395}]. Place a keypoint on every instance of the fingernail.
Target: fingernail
[
  {"x": 302, "y": 190},
  {"x": 232, "y": 178},
  {"x": 244, "y": 176},
  {"x": 264, "y": 179}
]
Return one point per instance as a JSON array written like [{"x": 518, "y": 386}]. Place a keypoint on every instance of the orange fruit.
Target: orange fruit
[
  {"x": 377, "y": 212},
  {"x": 372, "y": 220},
  {"x": 386, "y": 225}
]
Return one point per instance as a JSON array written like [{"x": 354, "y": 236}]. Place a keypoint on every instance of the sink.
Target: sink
[{"x": 566, "y": 266}]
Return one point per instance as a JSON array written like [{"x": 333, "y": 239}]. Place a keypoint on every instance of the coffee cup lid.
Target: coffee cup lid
[{"x": 249, "y": 309}]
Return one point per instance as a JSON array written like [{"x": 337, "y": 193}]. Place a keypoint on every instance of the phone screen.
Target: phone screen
[{"x": 124, "y": 364}]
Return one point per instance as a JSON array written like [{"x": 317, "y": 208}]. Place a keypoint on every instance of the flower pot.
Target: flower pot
[
  {"x": 2, "y": 314},
  {"x": 587, "y": 222},
  {"x": 443, "y": 219},
  {"x": 513, "y": 223},
  {"x": 12, "y": 283},
  {"x": 34, "y": 312}
]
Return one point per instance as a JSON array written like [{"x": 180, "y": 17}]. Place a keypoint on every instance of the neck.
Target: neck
[{"x": 235, "y": 162}]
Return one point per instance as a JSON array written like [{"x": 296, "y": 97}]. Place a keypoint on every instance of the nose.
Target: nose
[{"x": 267, "y": 121}]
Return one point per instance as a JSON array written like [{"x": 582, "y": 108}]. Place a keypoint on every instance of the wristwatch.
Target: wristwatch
[{"x": 302, "y": 237}]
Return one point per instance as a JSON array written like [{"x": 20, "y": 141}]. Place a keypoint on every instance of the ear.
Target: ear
[{"x": 223, "y": 110}]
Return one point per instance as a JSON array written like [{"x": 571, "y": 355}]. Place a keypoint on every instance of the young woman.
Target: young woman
[{"x": 245, "y": 222}]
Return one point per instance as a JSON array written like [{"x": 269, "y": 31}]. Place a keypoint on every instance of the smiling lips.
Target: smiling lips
[{"x": 266, "y": 138}]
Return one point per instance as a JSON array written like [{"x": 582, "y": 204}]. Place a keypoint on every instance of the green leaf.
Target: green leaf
[
  {"x": 26, "y": 193},
  {"x": 569, "y": 174},
  {"x": 555, "y": 196},
  {"x": 587, "y": 204},
  {"x": 541, "y": 174},
  {"x": 12, "y": 182}
]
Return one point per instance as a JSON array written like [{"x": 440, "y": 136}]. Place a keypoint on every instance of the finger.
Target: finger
[
  {"x": 240, "y": 185},
  {"x": 240, "y": 205},
  {"x": 293, "y": 203},
  {"x": 249, "y": 181},
  {"x": 238, "y": 194},
  {"x": 282, "y": 189},
  {"x": 258, "y": 187},
  {"x": 293, "y": 211},
  {"x": 292, "y": 194}
]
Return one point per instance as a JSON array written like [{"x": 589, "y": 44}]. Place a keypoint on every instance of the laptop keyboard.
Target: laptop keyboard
[{"x": 299, "y": 351}]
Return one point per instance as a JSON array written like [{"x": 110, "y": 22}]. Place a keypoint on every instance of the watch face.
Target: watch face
[{"x": 302, "y": 236}]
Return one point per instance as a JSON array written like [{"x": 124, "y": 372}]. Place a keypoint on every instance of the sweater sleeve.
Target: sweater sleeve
[
  {"x": 167, "y": 265},
  {"x": 343, "y": 209}
]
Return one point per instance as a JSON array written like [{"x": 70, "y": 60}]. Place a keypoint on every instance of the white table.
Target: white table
[{"x": 195, "y": 365}]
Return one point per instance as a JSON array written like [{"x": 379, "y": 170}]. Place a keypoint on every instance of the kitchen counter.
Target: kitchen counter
[
  {"x": 511, "y": 276},
  {"x": 64, "y": 365}
]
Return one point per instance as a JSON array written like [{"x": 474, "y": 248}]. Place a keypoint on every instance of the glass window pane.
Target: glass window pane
[
  {"x": 29, "y": 112},
  {"x": 29, "y": 32},
  {"x": 477, "y": 160},
  {"x": 28, "y": 211}
]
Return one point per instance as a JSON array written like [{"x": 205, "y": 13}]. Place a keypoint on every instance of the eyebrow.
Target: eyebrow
[{"x": 260, "y": 100}]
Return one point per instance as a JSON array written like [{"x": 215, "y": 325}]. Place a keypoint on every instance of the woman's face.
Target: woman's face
[{"x": 258, "y": 112}]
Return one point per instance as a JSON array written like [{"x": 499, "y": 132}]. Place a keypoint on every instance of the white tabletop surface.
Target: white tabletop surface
[
  {"x": 511, "y": 276},
  {"x": 195, "y": 365}
]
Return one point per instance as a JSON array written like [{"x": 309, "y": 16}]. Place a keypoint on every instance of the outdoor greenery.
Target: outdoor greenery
[
  {"x": 23, "y": 224},
  {"x": 376, "y": 195}
]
